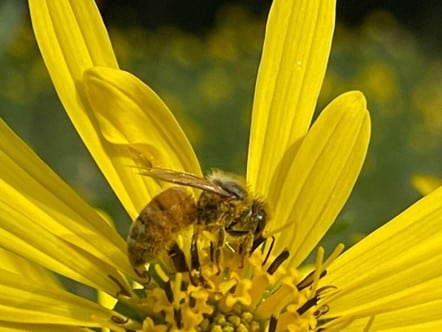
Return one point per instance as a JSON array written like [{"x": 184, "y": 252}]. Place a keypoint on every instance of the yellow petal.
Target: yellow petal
[
  {"x": 17, "y": 264},
  {"x": 419, "y": 318},
  {"x": 132, "y": 118},
  {"x": 295, "y": 54},
  {"x": 320, "y": 175},
  {"x": 23, "y": 327},
  {"x": 44, "y": 220},
  {"x": 72, "y": 38},
  {"x": 426, "y": 183},
  {"x": 395, "y": 267},
  {"x": 25, "y": 301}
]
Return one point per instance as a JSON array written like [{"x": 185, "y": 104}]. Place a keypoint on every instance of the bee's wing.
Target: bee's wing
[{"x": 184, "y": 178}]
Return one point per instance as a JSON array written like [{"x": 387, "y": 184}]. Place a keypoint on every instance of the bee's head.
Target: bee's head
[{"x": 241, "y": 211}]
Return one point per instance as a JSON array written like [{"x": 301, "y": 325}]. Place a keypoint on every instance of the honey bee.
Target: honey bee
[{"x": 225, "y": 208}]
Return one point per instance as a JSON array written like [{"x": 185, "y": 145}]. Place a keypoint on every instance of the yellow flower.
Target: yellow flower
[
  {"x": 425, "y": 184},
  {"x": 389, "y": 281}
]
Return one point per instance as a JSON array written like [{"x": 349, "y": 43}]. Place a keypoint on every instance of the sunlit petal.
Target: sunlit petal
[
  {"x": 72, "y": 38},
  {"x": 419, "y": 318},
  {"x": 295, "y": 54},
  {"x": 321, "y": 175},
  {"x": 25, "y": 301},
  {"x": 305, "y": 172},
  {"x": 17, "y": 264},
  {"x": 23, "y": 327},
  {"x": 45, "y": 221},
  {"x": 136, "y": 121},
  {"x": 395, "y": 267}
]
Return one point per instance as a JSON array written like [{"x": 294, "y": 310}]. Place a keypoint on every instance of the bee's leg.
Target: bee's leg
[
  {"x": 245, "y": 248},
  {"x": 216, "y": 252},
  {"x": 178, "y": 258}
]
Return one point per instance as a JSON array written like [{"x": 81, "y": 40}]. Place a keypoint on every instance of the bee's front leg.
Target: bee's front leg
[
  {"x": 216, "y": 249},
  {"x": 245, "y": 248}
]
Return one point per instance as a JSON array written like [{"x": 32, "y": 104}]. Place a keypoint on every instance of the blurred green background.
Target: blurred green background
[{"x": 205, "y": 71}]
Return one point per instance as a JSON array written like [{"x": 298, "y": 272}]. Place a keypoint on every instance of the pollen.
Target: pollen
[{"x": 253, "y": 293}]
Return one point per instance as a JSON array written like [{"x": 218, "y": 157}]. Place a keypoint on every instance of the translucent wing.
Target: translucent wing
[
  {"x": 184, "y": 178},
  {"x": 181, "y": 178}
]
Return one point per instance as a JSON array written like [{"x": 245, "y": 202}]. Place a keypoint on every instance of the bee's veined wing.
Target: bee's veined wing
[{"x": 185, "y": 179}]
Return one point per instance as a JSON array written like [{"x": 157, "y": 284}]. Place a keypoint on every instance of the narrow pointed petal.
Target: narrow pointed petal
[
  {"x": 419, "y": 318},
  {"x": 17, "y": 264},
  {"x": 22, "y": 301},
  {"x": 394, "y": 269},
  {"x": 45, "y": 221},
  {"x": 295, "y": 54},
  {"x": 139, "y": 128},
  {"x": 72, "y": 38},
  {"x": 320, "y": 175},
  {"x": 23, "y": 327}
]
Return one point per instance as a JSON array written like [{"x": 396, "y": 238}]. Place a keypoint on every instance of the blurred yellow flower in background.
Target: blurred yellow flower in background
[
  {"x": 425, "y": 184},
  {"x": 389, "y": 280}
]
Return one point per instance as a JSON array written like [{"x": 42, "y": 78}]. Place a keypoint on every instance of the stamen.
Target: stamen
[
  {"x": 178, "y": 318},
  {"x": 307, "y": 305},
  {"x": 194, "y": 258},
  {"x": 321, "y": 310},
  {"x": 168, "y": 291},
  {"x": 162, "y": 280},
  {"x": 123, "y": 290},
  {"x": 212, "y": 249},
  {"x": 258, "y": 241},
  {"x": 269, "y": 251},
  {"x": 279, "y": 299},
  {"x": 119, "y": 320},
  {"x": 272, "y": 324},
  {"x": 278, "y": 261},
  {"x": 308, "y": 280},
  {"x": 159, "y": 272},
  {"x": 142, "y": 273},
  {"x": 318, "y": 268},
  {"x": 192, "y": 302},
  {"x": 177, "y": 288},
  {"x": 195, "y": 275},
  {"x": 211, "y": 295},
  {"x": 338, "y": 250},
  {"x": 324, "y": 288}
]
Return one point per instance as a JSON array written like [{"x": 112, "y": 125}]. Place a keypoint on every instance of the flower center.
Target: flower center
[{"x": 253, "y": 293}]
